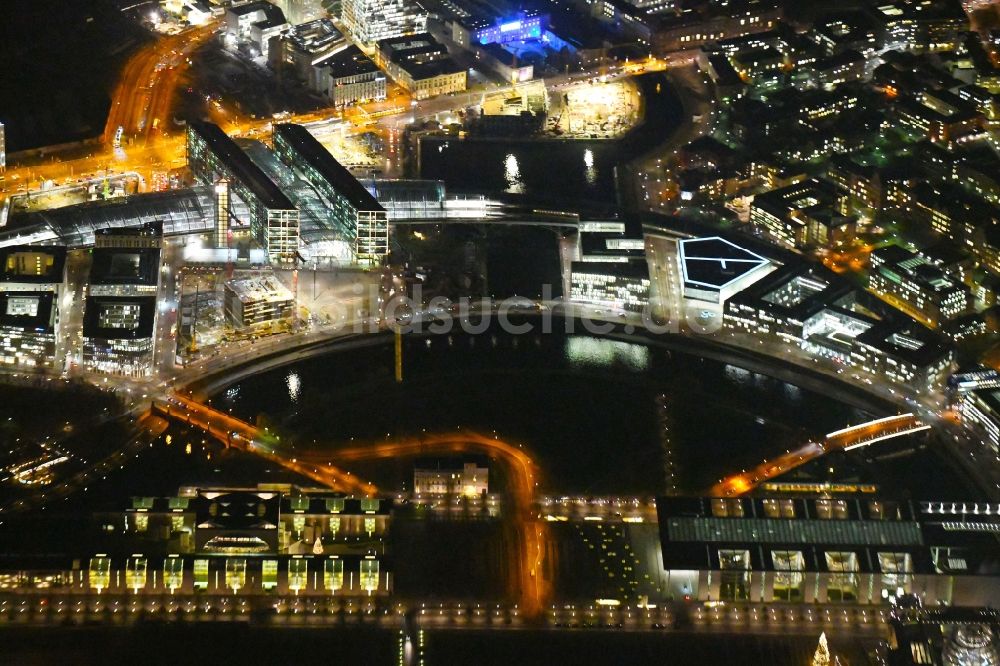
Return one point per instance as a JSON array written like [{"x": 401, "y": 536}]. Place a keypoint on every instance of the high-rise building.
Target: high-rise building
[
  {"x": 372, "y": 20},
  {"x": 357, "y": 216},
  {"x": 3, "y": 148},
  {"x": 120, "y": 311},
  {"x": 32, "y": 278},
  {"x": 273, "y": 219}
]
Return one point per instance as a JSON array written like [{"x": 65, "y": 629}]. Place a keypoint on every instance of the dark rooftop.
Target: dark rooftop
[
  {"x": 313, "y": 152},
  {"x": 241, "y": 166},
  {"x": 715, "y": 262},
  {"x": 125, "y": 266},
  {"x": 29, "y": 310},
  {"x": 97, "y": 306},
  {"x": 350, "y": 61},
  {"x": 32, "y": 263}
]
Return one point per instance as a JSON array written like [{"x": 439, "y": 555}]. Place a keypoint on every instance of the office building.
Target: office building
[
  {"x": 257, "y": 301},
  {"x": 939, "y": 115},
  {"x": 977, "y": 396},
  {"x": 798, "y": 215},
  {"x": 33, "y": 268},
  {"x": 611, "y": 284},
  {"x": 915, "y": 285},
  {"x": 449, "y": 476},
  {"x": 120, "y": 311},
  {"x": 856, "y": 551},
  {"x": 118, "y": 334},
  {"x": 421, "y": 65},
  {"x": 299, "y": 12},
  {"x": 370, "y": 21},
  {"x": 922, "y": 25},
  {"x": 302, "y": 50},
  {"x": 275, "y": 538},
  {"x": 287, "y": 519},
  {"x": 116, "y": 271},
  {"x": 359, "y": 218},
  {"x": 713, "y": 269},
  {"x": 28, "y": 328},
  {"x": 505, "y": 63},
  {"x": 257, "y": 203},
  {"x": 525, "y": 27},
  {"x": 32, "y": 279},
  {"x": 818, "y": 311},
  {"x": 349, "y": 76},
  {"x": 255, "y": 23},
  {"x": 713, "y": 23},
  {"x": 146, "y": 236}
]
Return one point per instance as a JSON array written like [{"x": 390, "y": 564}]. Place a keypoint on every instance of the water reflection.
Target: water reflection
[
  {"x": 588, "y": 351},
  {"x": 589, "y": 172},
  {"x": 294, "y": 386},
  {"x": 512, "y": 174},
  {"x": 737, "y": 375}
]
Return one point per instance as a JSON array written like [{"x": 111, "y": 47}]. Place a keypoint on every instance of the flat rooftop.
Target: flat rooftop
[
  {"x": 125, "y": 266},
  {"x": 32, "y": 263},
  {"x": 119, "y": 317},
  {"x": 349, "y": 61},
  {"x": 319, "y": 158},
  {"x": 715, "y": 262},
  {"x": 241, "y": 166},
  {"x": 29, "y": 311},
  {"x": 266, "y": 288},
  {"x": 625, "y": 269}
]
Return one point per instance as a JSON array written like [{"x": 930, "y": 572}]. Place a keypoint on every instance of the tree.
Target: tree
[{"x": 822, "y": 655}]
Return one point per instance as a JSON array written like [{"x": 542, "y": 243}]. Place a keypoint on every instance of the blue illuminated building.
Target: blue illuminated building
[{"x": 529, "y": 26}]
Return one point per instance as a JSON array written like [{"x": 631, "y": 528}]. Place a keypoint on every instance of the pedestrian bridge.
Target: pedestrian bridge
[{"x": 846, "y": 439}]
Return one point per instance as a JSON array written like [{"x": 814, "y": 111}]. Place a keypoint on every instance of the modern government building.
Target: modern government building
[{"x": 862, "y": 551}]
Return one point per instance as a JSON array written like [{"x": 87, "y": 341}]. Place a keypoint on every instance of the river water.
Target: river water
[
  {"x": 578, "y": 171},
  {"x": 599, "y": 415}
]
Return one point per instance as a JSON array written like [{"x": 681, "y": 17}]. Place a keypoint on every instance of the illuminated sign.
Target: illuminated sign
[{"x": 510, "y": 27}]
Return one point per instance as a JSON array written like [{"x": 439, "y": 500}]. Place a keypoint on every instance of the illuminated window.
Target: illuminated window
[
  {"x": 896, "y": 570},
  {"x": 842, "y": 584},
  {"x": 100, "y": 572},
  {"x": 831, "y": 509},
  {"x": 119, "y": 315},
  {"x": 298, "y": 570},
  {"x": 173, "y": 573},
  {"x": 369, "y": 574},
  {"x": 22, "y": 306},
  {"x": 269, "y": 574},
  {"x": 789, "y": 567},
  {"x": 201, "y": 574},
  {"x": 735, "y": 575},
  {"x": 333, "y": 574},
  {"x": 236, "y": 573},
  {"x": 135, "y": 573}
]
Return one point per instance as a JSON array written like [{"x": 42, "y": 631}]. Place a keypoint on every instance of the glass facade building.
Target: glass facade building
[
  {"x": 273, "y": 219},
  {"x": 371, "y": 20},
  {"x": 358, "y": 217}
]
